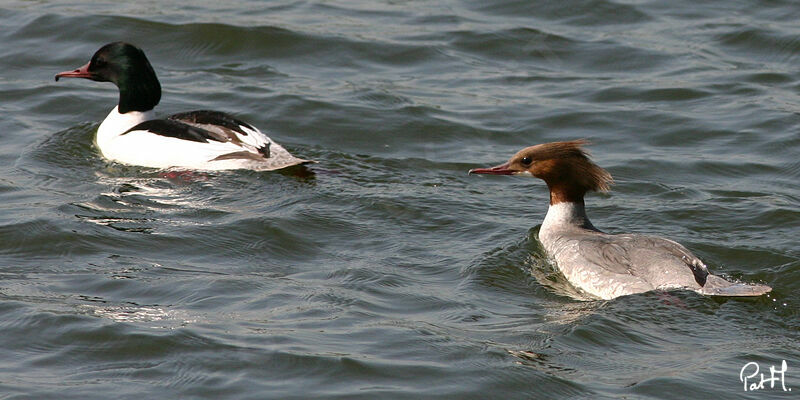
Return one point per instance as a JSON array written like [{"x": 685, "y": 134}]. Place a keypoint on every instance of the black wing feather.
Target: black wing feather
[
  {"x": 176, "y": 129},
  {"x": 213, "y": 118}
]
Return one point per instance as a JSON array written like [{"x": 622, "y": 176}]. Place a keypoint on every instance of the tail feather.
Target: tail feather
[{"x": 716, "y": 286}]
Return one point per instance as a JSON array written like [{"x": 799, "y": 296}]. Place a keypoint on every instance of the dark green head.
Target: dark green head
[{"x": 126, "y": 66}]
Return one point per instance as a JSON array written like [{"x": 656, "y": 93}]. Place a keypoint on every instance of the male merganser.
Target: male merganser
[
  {"x": 601, "y": 264},
  {"x": 206, "y": 140}
]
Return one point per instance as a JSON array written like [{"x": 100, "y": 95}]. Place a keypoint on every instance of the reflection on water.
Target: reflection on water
[
  {"x": 137, "y": 204},
  {"x": 165, "y": 318}
]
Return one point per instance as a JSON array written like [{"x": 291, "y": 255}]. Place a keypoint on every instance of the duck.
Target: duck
[
  {"x": 196, "y": 140},
  {"x": 599, "y": 264}
]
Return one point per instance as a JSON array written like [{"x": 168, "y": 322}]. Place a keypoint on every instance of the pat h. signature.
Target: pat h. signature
[{"x": 752, "y": 380}]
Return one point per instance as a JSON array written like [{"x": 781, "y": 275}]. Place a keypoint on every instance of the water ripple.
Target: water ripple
[{"x": 386, "y": 271}]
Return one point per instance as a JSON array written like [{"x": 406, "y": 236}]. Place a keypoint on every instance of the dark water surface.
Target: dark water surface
[{"x": 389, "y": 272}]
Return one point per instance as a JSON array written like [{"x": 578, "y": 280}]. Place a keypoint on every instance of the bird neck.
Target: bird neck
[
  {"x": 567, "y": 214},
  {"x": 140, "y": 94}
]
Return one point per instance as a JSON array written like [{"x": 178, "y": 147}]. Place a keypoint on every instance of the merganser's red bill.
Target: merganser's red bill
[
  {"x": 82, "y": 72},
  {"x": 498, "y": 170}
]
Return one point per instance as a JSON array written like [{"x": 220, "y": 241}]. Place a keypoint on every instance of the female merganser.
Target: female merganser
[
  {"x": 601, "y": 264},
  {"x": 206, "y": 140}
]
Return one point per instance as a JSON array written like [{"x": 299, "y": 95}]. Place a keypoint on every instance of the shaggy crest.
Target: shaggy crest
[{"x": 566, "y": 162}]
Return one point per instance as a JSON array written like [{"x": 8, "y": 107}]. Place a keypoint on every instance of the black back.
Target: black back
[
  {"x": 176, "y": 129},
  {"x": 213, "y": 118}
]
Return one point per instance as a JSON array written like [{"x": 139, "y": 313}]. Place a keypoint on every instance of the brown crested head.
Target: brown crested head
[{"x": 564, "y": 166}]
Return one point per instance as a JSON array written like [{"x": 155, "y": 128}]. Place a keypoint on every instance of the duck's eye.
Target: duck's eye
[
  {"x": 99, "y": 63},
  {"x": 526, "y": 160}
]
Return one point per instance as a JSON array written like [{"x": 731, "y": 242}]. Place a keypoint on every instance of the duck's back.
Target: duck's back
[{"x": 609, "y": 266}]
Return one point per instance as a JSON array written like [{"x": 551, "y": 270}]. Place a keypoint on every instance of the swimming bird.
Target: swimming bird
[
  {"x": 601, "y": 264},
  {"x": 203, "y": 139}
]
